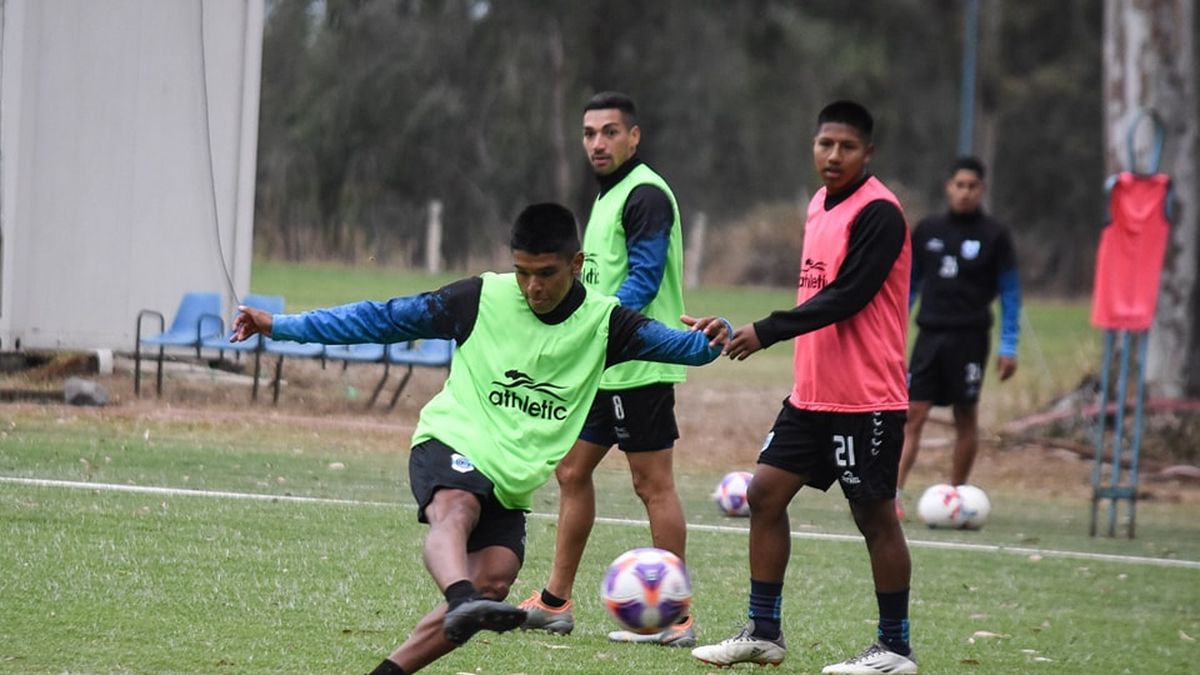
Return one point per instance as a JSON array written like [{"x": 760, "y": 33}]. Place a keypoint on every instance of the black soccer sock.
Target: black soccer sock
[
  {"x": 459, "y": 592},
  {"x": 893, "y": 621},
  {"x": 388, "y": 667},
  {"x": 766, "y": 608},
  {"x": 552, "y": 601}
]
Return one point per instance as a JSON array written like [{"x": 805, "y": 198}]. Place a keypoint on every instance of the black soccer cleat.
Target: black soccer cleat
[{"x": 472, "y": 616}]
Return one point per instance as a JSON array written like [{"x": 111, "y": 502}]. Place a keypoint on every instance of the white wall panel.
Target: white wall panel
[{"x": 107, "y": 203}]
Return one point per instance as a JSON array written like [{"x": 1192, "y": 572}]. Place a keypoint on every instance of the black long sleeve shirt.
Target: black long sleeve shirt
[{"x": 876, "y": 239}]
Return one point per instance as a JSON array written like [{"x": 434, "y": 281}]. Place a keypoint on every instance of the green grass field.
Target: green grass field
[
  {"x": 257, "y": 545},
  {"x": 1058, "y": 346},
  {"x": 100, "y": 580}
]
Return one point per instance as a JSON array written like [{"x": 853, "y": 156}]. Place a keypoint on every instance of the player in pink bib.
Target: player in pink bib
[{"x": 844, "y": 418}]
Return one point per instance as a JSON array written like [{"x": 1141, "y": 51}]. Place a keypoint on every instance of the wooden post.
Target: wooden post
[
  {"x": 433, "y": 238},
  {"x": 693, "y": 255}
]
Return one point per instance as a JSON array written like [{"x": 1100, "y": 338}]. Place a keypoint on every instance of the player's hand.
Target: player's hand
[
  {"x": 250, "y": 321},
  {"x": 714, "y": 327},
  {"x": 1006, "y": 366},
  {"x": 744, "y": 343}
]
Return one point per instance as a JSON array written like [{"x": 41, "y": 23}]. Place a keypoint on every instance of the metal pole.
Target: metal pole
[
  {"x": 1119, "y": 430},
  {"x": 1136, "y": 447},
  {"x": 966, "y": 106},
  {"x": 1101, "y": 422}
]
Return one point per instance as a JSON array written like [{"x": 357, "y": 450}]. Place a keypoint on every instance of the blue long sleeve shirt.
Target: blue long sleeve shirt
[
  {"x": 450, "y": 313},
  {"x": 647, "y": 219}
]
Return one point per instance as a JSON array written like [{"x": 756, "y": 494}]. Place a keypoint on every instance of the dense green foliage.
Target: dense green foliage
[{"x": 371, "y": 108}]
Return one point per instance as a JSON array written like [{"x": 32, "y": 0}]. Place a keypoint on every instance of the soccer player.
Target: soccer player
[
  {"x": 962, "y": 260},
  {"x": 532, "y": 346},
  {"x": 633, "y": 250},
  {"x": 844, "y": 418}
]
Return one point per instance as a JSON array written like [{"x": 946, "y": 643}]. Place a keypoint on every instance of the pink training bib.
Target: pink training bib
[{"x": 1129, "y": 260}]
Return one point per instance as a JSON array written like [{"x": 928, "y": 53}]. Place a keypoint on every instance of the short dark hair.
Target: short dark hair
[
  {"x": 608, "y": 100},
  {"x": 849, "y": 113},
  {"x": 970, "y": 164},
  {"x": 546, "y": 228}
]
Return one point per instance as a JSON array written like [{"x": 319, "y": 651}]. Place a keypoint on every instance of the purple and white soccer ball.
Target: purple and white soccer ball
[
  {"x": 646, "y": 589},
  {"x": 730, "y": 494}
]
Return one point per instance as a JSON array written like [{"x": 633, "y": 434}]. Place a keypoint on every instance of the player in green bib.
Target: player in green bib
[
  {"x": 633, "y": 251},
  {"x": 532, "y": 346}
]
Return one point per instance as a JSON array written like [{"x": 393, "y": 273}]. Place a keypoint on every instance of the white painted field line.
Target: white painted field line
[
  {"x": 628, "y": 522},
  {"x": 946, "y": 545},
  {"x": 186, "y": 492}
]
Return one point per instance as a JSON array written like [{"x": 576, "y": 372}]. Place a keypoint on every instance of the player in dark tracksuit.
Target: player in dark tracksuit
[{"x": 962, "y": 260}]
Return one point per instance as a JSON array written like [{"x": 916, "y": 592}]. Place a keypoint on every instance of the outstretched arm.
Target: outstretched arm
[
  {"x": 743, "y": 343},
  {"x": 250, "y": 321},
  {"x": 876, "y": 239},
  {"x": 447, "y": 313},
  {"x": 633, "y": 336}
]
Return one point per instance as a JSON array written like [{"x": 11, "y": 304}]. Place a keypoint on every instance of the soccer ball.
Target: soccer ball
[
  {"x": 730, "y": 494},
  {"x": 941, "y": 506},
  {"x": 646, "y": 589},
  {"x": 974, "y": 507}
]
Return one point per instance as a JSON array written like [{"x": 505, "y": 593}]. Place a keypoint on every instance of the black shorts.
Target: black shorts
[
  {"x": 947, "y": 366},
  {"x": 433, "y": 465},
  {"x": 636, "y": 420},
  {"x": 859, "y": 450}
]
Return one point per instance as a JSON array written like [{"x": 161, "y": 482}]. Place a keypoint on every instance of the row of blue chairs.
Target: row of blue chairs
[{"x": 198, "y": 325}]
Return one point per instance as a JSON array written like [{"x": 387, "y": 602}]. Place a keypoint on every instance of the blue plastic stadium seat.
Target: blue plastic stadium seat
[
  {"x": 269, "y": 303},
  {"x": 285, "y": 348},
  {"x": 197, "y": 318},
  {"x": 361, "y": 353},
  {"x": 426, "y": 353}
]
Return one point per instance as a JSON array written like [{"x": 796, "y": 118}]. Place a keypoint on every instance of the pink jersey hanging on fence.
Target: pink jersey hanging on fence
[{"x": 1130, "y": 258}]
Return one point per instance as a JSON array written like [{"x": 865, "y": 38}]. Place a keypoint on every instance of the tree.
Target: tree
[
  {"x": 371, "y": 108},
  {"x": 1150, "y": 62}
]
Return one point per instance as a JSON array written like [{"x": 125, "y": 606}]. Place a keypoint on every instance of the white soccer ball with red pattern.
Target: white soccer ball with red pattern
[
  {"x": 730, "y": 494},
  {"x": 974, "y": 507},
  {"x": 941, "y": 506},
  {"x": 646, "y": 589}
]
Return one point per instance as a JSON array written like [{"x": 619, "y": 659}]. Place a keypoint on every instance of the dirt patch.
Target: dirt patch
[{"x": 717, "y": 433}]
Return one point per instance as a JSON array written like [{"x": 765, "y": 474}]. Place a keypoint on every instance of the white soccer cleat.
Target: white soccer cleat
[
  {"x": 677, "y": 635},
  {"x": 874, "y": 659},
  {"x": 743, "y": 648}
]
